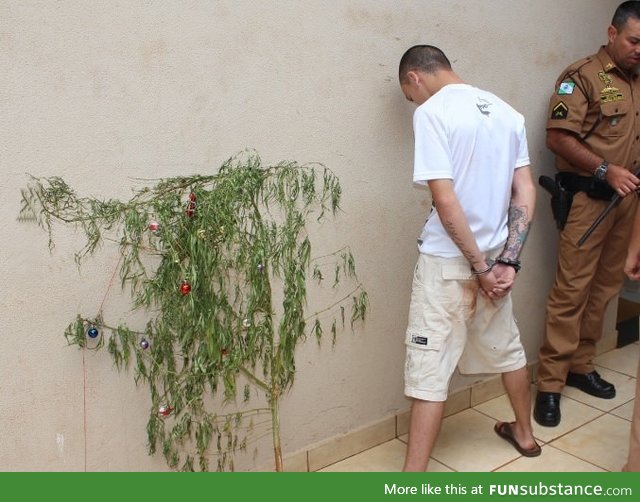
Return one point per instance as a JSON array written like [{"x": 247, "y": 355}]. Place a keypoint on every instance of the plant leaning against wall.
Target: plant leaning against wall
[{"x": 203, "y": 257}]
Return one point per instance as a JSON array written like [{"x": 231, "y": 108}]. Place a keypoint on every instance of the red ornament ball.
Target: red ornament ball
[
  {"x": 191, "y": 205},
  {"x": 165, "y": 410},
  {"x": 185, "y": 288},
  {"x": 154, "y": 226}
]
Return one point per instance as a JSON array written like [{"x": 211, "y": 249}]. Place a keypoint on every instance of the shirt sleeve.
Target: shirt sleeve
[
  {"x": 432, "y": 158},
  {"x": 523, "y": 147},
  {"x": 568, "y": 105}
]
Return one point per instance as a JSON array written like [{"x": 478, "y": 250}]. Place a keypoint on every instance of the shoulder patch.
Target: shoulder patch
[
  {"x": 560, "y": 111},
  {"x": 566, "y": 88}
]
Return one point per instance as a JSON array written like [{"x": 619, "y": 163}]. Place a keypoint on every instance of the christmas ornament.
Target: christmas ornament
[
  {"x": 246, "y": 323},
  {"x": 191, "y": 205},
  {"x": 260, "y": 267},
  {"x": 93, "y": 332},
  {"x": 165, "y": 410},
  {"x": 144, "y": 344},
  {"x": 154, "y": 226},
  {"x": 185, "y": 288}
]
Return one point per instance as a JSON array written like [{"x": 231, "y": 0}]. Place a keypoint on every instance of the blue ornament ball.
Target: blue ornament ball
[
  {"x": 93, "y": 332},
  {"x": 144, "y": 344}
]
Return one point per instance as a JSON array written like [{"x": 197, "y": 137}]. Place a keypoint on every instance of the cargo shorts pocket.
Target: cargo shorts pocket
[
  {"x": 460, "y": 286},
  {"x": 422, "y": 358}
]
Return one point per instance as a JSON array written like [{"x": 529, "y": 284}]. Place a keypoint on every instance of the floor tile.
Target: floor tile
[
  {"x": 435, "y": 466},
  {"x": 603, "y": 442},
  {"x": 623, "y": 360},
  {"x": 387, "y": 457},
  {"x": 467, "y": 432},
  {"x": 551, "y": 460},
  {"x": 498, "y": 408},
  {"x": 625, "y": 411},
  {"x": 346, "y": 446},
  {"x": 574, "y": 414},
  {"x": 625, "y": 391}
]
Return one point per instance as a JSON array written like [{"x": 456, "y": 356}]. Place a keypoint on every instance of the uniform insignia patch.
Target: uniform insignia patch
[
  {"x": 611, "y": 94},
  {"x": 566, "y": 88},
  {"x": 560, "y": 111},
  {"x": 606, "y": 79}
]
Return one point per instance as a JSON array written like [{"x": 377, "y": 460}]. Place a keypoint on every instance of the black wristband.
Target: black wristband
[{"x": 511, "y": 263}]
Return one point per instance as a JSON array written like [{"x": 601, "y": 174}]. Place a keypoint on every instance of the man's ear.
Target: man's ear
[
  {"x": 612, "y": 33},
  {"x": 413, "y": 77}
]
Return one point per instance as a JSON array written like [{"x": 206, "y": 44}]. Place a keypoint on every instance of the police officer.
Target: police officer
[{"x": 594, "y": 129}]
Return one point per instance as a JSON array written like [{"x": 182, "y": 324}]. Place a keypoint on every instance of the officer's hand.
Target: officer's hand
[
  {"x": 621, "y": 180},
  {"x": 632, "y": 267}
]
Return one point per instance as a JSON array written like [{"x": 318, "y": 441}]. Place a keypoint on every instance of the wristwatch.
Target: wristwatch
[
  {"x": 601, "y": 170},
  {"x": 508, "y": 261}
]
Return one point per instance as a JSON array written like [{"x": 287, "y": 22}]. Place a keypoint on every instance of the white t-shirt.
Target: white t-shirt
[{"x": 477, "y": 140}]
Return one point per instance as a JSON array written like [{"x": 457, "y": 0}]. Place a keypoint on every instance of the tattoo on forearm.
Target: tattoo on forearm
[
  {"x": 458, "y": 241},
  {"x": 518, "y": 223}
]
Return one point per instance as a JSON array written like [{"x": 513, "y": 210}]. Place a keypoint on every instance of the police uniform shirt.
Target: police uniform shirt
[{"x": 593, "y": 98}]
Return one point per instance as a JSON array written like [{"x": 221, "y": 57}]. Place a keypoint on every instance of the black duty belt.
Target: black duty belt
[{"x": 574, "y": 182}]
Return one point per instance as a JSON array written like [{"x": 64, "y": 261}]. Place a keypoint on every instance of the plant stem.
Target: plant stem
[{"x": 275, "y": 429}]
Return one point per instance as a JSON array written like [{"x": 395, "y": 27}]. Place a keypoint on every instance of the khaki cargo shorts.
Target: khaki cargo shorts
[{"x": 451, "y": 324}]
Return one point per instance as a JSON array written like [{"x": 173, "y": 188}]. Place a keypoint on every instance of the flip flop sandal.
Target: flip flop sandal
[{"x": 504, "y": 430}]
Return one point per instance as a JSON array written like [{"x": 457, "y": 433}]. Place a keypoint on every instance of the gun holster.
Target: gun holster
[{"x": 561, "y": 199}]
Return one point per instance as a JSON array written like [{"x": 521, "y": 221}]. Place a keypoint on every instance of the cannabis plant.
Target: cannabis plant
[{"x": 206, "y": 258}]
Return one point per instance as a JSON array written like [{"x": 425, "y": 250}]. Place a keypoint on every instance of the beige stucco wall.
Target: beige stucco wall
[{"x": 101, "y": 93}]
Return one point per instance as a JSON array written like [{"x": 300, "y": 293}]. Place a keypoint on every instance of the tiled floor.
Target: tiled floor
[{"x": 592, "y": 436}]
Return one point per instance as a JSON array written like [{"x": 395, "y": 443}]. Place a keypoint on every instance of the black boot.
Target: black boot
[
  {"x": 547, "y": 409},
  {"x": 593, "y": 384}
]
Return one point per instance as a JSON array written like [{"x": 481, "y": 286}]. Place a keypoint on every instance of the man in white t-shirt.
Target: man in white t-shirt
[{"x": 471, "y": 150}]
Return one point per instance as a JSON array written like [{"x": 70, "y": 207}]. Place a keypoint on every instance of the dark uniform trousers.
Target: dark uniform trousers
[{"x": 587, "y": 278}]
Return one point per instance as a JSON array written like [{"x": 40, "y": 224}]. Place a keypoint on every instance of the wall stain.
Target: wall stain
[{"x": 153, "y": 51}]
